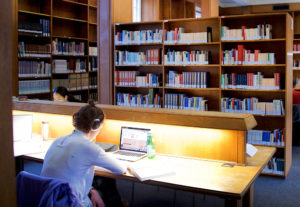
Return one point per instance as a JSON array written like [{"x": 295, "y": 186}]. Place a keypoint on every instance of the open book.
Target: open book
[{"x": 146, "y": 172}]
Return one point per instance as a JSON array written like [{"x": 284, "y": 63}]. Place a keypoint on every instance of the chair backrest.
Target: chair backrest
[{"x": 38, "y": 191}]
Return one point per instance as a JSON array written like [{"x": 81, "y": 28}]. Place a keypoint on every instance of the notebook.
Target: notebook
[{"x": 133, "y": 144}]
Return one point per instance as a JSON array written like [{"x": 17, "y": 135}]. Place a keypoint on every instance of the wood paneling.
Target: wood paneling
[
  {"x": 150, "y": 10},
  {"x": 7, "y": 40},
  {"x": 210, "y": 8},
  {"x": 121, "y": 10}
]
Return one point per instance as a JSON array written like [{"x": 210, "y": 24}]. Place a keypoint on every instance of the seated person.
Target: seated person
[
  {"x": 296, "y": 94},
  {"x": 73, "y": 157},
  {"x": 62, "y": 94}
]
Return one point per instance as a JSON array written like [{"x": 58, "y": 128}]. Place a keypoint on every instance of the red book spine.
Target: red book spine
[
  {"x": 295, "y": 47},
  {"x": 181, "y": 79},
  {"x": 256, "y": 52},
  {"x": 176, "y": 33},
  {"x": 165, "y": 34},
  {"x": 244, "y": 34},
  {"x": 298, "y": 48},
  {"x": 240, "y": 54}
]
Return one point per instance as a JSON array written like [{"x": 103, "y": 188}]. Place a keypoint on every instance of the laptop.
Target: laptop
[{"x": 133, "y": 144}]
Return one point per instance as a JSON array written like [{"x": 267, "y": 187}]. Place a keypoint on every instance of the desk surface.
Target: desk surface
[{"x": 203, "y": 176}]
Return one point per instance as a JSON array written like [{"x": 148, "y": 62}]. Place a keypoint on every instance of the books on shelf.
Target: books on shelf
[
  {"x": 132, "y": 78},
  {"x": 68, "y": 48},
  {"x": 38, "y": 28},
  {"x": 250, "y": 81},
  {"x": 73, "y": 82},
  {"x": 69, "y": 66},
  {"x": 252, "y": 106},
  {"x": 138, "y": 100},
  {"x": 178, "y": 35},
  {"x": 187, "y": 79},
  {"x": 34, "y": 86},
  {"x": 296, "y": 64},
  {"x": 33, "y": 50},
  {"x": 262, "y": 137},
  {"x": 138, "y": 37},
  {"x": 93, "y": 51},
  {"x": 93, "y": 96},
  {"x": 275, "y": 166},
  {"x": 182, "y": 101},
  {"x": 93, "y": 64},
  {"x": 150, "y": 57},
  {"x": 195, "y": 57},
  {"x": 34, "y": 69},
  {"x": 242, "y": 56},
  {"x": 262, "y": 31},
  {"x": 296, "y": 48},
  {"x": 93, "y": 82},
  {"x": 78, "y": 97}
]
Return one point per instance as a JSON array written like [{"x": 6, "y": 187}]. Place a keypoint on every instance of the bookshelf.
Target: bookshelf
[
  {"x": 69, "y": 32},
  {"x": 274, "y": 72}
]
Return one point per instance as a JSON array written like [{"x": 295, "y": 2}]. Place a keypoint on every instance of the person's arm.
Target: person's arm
[
  {"x": 96, "y": 199},
  {"x": 107, "y": 161}
]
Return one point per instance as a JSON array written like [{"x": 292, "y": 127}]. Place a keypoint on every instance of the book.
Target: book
[{"x": 151, "y": 170}]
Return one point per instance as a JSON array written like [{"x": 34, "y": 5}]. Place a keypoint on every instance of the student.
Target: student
[
  {"x": 62, "y": 94},
  {"x": 73, "y": 157},
  {"x": 296, "y": 94}
]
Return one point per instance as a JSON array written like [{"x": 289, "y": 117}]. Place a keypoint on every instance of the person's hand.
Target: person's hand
[{"x": 96, "y": 199}]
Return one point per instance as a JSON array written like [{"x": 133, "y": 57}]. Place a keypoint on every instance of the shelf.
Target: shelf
[
  {"x": 28, "y": 94},
  {"x": 196, "y": 89},
  {"x": 94, "y": 7},
  {"x": 22, "y": 34},
  {"x": 296, "y": 39},
  {"x": 33, "y": 13},
  {"x": 93, "y": 71},
  {"x": 117, "y": 86},
  {"x": 95, "y": 24},
  {"x": 281, "y": 147},
  {"x": 209, "y": 65},
  {"x": 35, "y": 58},
  {"x": 246, "y": 41},
  {"x": 70, "y": 19},
  {"x": 254, "y": 90},
  {"x": 68, "y": 73},
  {"x": 141, "y": 44},
  {"x": 72, "y": 56},
  {"x": 279, "y": 116},
  {"x": 74, "y": 2},
  {"x": 188, "y": 44},
  {"x": 272, "y": 174},
  {"x": 78, "y": 90},
  {"x": 138, "y": 65},
  {"x": 33, "y": 78},
  {"x": 275, "y": 65},
  {"x": 70, "y": 38}
]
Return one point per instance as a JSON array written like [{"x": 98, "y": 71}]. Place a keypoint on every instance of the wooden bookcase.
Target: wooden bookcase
[
  {"x": 69, "y": 21},
  {"x": 280, "y": 44}
]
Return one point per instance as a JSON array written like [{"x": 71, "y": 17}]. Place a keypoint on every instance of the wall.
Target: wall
[{"x": 7, "y": 172}]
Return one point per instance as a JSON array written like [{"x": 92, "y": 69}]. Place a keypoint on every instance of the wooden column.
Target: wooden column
[
  {"x": 121, "y": 11},
  {"x": 105, "y": 92},
  {"x": 150, "y": 10},
  {"x": 210, "y": 8},
  {"x": 7, "y": 41}
]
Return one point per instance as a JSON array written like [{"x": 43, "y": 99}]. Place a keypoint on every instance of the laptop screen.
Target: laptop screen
[
  {"x": 134, "y": 139},
  {"x": 22, "y": 127}
]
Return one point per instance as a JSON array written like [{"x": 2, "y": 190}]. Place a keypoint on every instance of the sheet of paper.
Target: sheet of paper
[{"x": 250, "y": 150}]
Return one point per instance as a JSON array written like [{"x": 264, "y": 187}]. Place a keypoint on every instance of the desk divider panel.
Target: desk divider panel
[{"x": 187, "y": 134}]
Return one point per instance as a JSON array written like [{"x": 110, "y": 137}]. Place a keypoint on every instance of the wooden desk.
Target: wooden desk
[{"x": 235, "y": 184}]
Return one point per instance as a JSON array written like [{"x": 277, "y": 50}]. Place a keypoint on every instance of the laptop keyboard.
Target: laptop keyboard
[{"x": 132, "y": 154}]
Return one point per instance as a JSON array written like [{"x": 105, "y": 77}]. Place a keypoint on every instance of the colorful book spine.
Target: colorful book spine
[
  {"x": 179, "y": 36},
  {"x": 34, "y": 50},
  {"x": 261, "y": 137},
  {"x": 262, "y": 31},
  {"x": 195, "y": 57},
  {"x": 132, "y": 78},
  {"x": 34, "y": 86},
  {"x": 138, "y": 100},
  {"x": 187, "y": 79},
  {"x": 182, "y": 101},
  {"x": 250, "y": 81},
  {"x": 68, "y": 48},
  {"x": 125, "y": 37},
  {"x": 34, "y": 69},
  {"x": 150, "y": 57},
  {"x": 252, "y": 106},
  {"x": 242, "y": 56}
]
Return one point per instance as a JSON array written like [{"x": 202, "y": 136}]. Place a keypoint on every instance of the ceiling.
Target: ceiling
[{"x": 235, "y": 3}]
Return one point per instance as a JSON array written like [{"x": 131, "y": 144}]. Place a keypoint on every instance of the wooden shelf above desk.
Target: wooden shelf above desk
[{"x": 202, "y": 119}]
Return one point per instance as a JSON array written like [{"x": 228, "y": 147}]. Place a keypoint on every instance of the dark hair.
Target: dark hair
[
  {"x": 63, "y": 91},
  {"x": 88, "y": 117}
]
